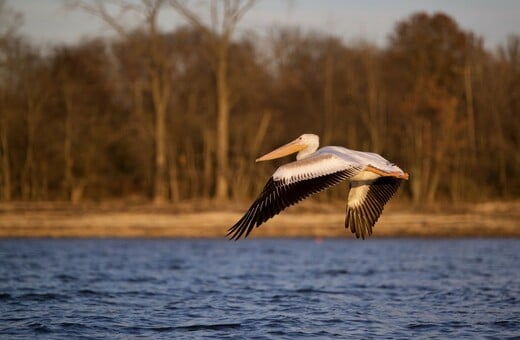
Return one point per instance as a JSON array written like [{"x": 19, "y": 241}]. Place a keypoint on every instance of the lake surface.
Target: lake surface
[{"x": 260, "y": 289}]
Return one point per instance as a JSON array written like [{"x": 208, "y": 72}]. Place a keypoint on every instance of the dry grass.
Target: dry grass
[{"x": 496, "y": 219}]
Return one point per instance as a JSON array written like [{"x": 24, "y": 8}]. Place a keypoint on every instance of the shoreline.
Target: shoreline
[{"x": 38, "y": 220}]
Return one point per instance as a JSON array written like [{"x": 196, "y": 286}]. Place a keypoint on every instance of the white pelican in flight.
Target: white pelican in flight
[{"x": 373, "y": 181}]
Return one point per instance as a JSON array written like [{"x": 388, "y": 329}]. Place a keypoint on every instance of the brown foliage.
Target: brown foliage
[{"x": 80, "y": 122}]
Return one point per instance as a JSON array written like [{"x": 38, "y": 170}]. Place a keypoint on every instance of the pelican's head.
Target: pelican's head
[{"x": 304, "y": 145}]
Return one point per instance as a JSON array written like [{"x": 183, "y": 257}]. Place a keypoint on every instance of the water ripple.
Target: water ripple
[
  {"x": 259, "y": 289},
  {"x": 214, "y": 327}
]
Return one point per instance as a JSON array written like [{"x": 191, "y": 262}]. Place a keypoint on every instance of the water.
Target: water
[{"x": 391, "y": 288}]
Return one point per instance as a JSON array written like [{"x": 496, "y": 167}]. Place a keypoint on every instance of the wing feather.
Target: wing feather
[
  {"x": 366, "y": 201},
  {"x": 289, "y": 185}
]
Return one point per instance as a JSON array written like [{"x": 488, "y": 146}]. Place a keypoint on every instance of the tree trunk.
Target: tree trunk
[
  {"x": 191, "y": 170},
  {"x": 328, "y": 122},
  {"x": 373, "y": 118},
  {"x": 160, "y": 186},
  {"x": 160, "y": 93},
  {"x": 208, "y": 184},
  {"x": 433, "y": 185},
  {"x": 28, "y": 167},
  {"x": 67, "y": 148},
  {"x": 222, "y": 122},
  {"x": 173, "y": 176},
  {"x": 416, "y": 169},
  {"x": 6, "y": 173},
  {"x": 76, "y": 194},
  {"x": 470, "y": 112},
  {"x": 374, "y": 125}
]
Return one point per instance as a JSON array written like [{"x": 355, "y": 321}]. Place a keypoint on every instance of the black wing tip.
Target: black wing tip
[
  {"x": 231, "y": 236},
  {"x": 235, "y": 232},
  {"x": 235, "y": 237},
  {"x": 361, "y": 220},
  {"x": 278, "y": 195},
  {"x": 244, "y": 225}
]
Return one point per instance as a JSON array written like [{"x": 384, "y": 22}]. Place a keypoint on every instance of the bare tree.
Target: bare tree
[
  {"x": 85, "y": 121},
  {"x": 224, "y": 16},
  {"x": 431, "y": 51},
  {"x": 35, "y": 92},
  {"x": 159, "y": 68},
  {"x": 10, "y": 21}
]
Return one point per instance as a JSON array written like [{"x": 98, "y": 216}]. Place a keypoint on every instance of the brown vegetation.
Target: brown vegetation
[
  {"x": 173, "y": 116},
  {"x": 308, "y": 220}
]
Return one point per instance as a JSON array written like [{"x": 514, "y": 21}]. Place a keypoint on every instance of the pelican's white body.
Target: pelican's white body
[
  {"x": 373, "y": 181},
  {"x": 332, "y": 159}
]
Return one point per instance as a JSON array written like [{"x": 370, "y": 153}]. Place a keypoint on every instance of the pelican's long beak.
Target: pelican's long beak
[{"x": 287, "y": 149}]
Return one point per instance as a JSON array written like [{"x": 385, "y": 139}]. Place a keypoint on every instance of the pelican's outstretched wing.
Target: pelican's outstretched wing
[
  {"x": 366, "y": 200},
  {"x": 292, "y": 183}
]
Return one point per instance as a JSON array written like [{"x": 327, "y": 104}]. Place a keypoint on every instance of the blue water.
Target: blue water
[{"x": 391, "y": 288}]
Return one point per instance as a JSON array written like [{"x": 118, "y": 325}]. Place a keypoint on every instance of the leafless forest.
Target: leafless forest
[{"x": 171, "y": 116}]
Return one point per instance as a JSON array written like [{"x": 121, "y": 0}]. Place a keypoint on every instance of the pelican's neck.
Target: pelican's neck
[{"x": 309, "y": 150}]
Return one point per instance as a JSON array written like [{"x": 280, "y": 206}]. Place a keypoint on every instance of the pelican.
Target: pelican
[{"x": 373, "y": 181}]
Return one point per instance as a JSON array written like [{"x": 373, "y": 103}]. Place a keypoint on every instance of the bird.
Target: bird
[{"x": 373, "y": 181}]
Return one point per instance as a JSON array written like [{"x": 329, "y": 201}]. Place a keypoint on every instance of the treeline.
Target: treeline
[{"x": 140, "y": 116}]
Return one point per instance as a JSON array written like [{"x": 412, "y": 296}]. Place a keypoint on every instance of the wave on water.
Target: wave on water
[
  {"x": 401, "y": 288},
  {"x": 215, "y": 327}
]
